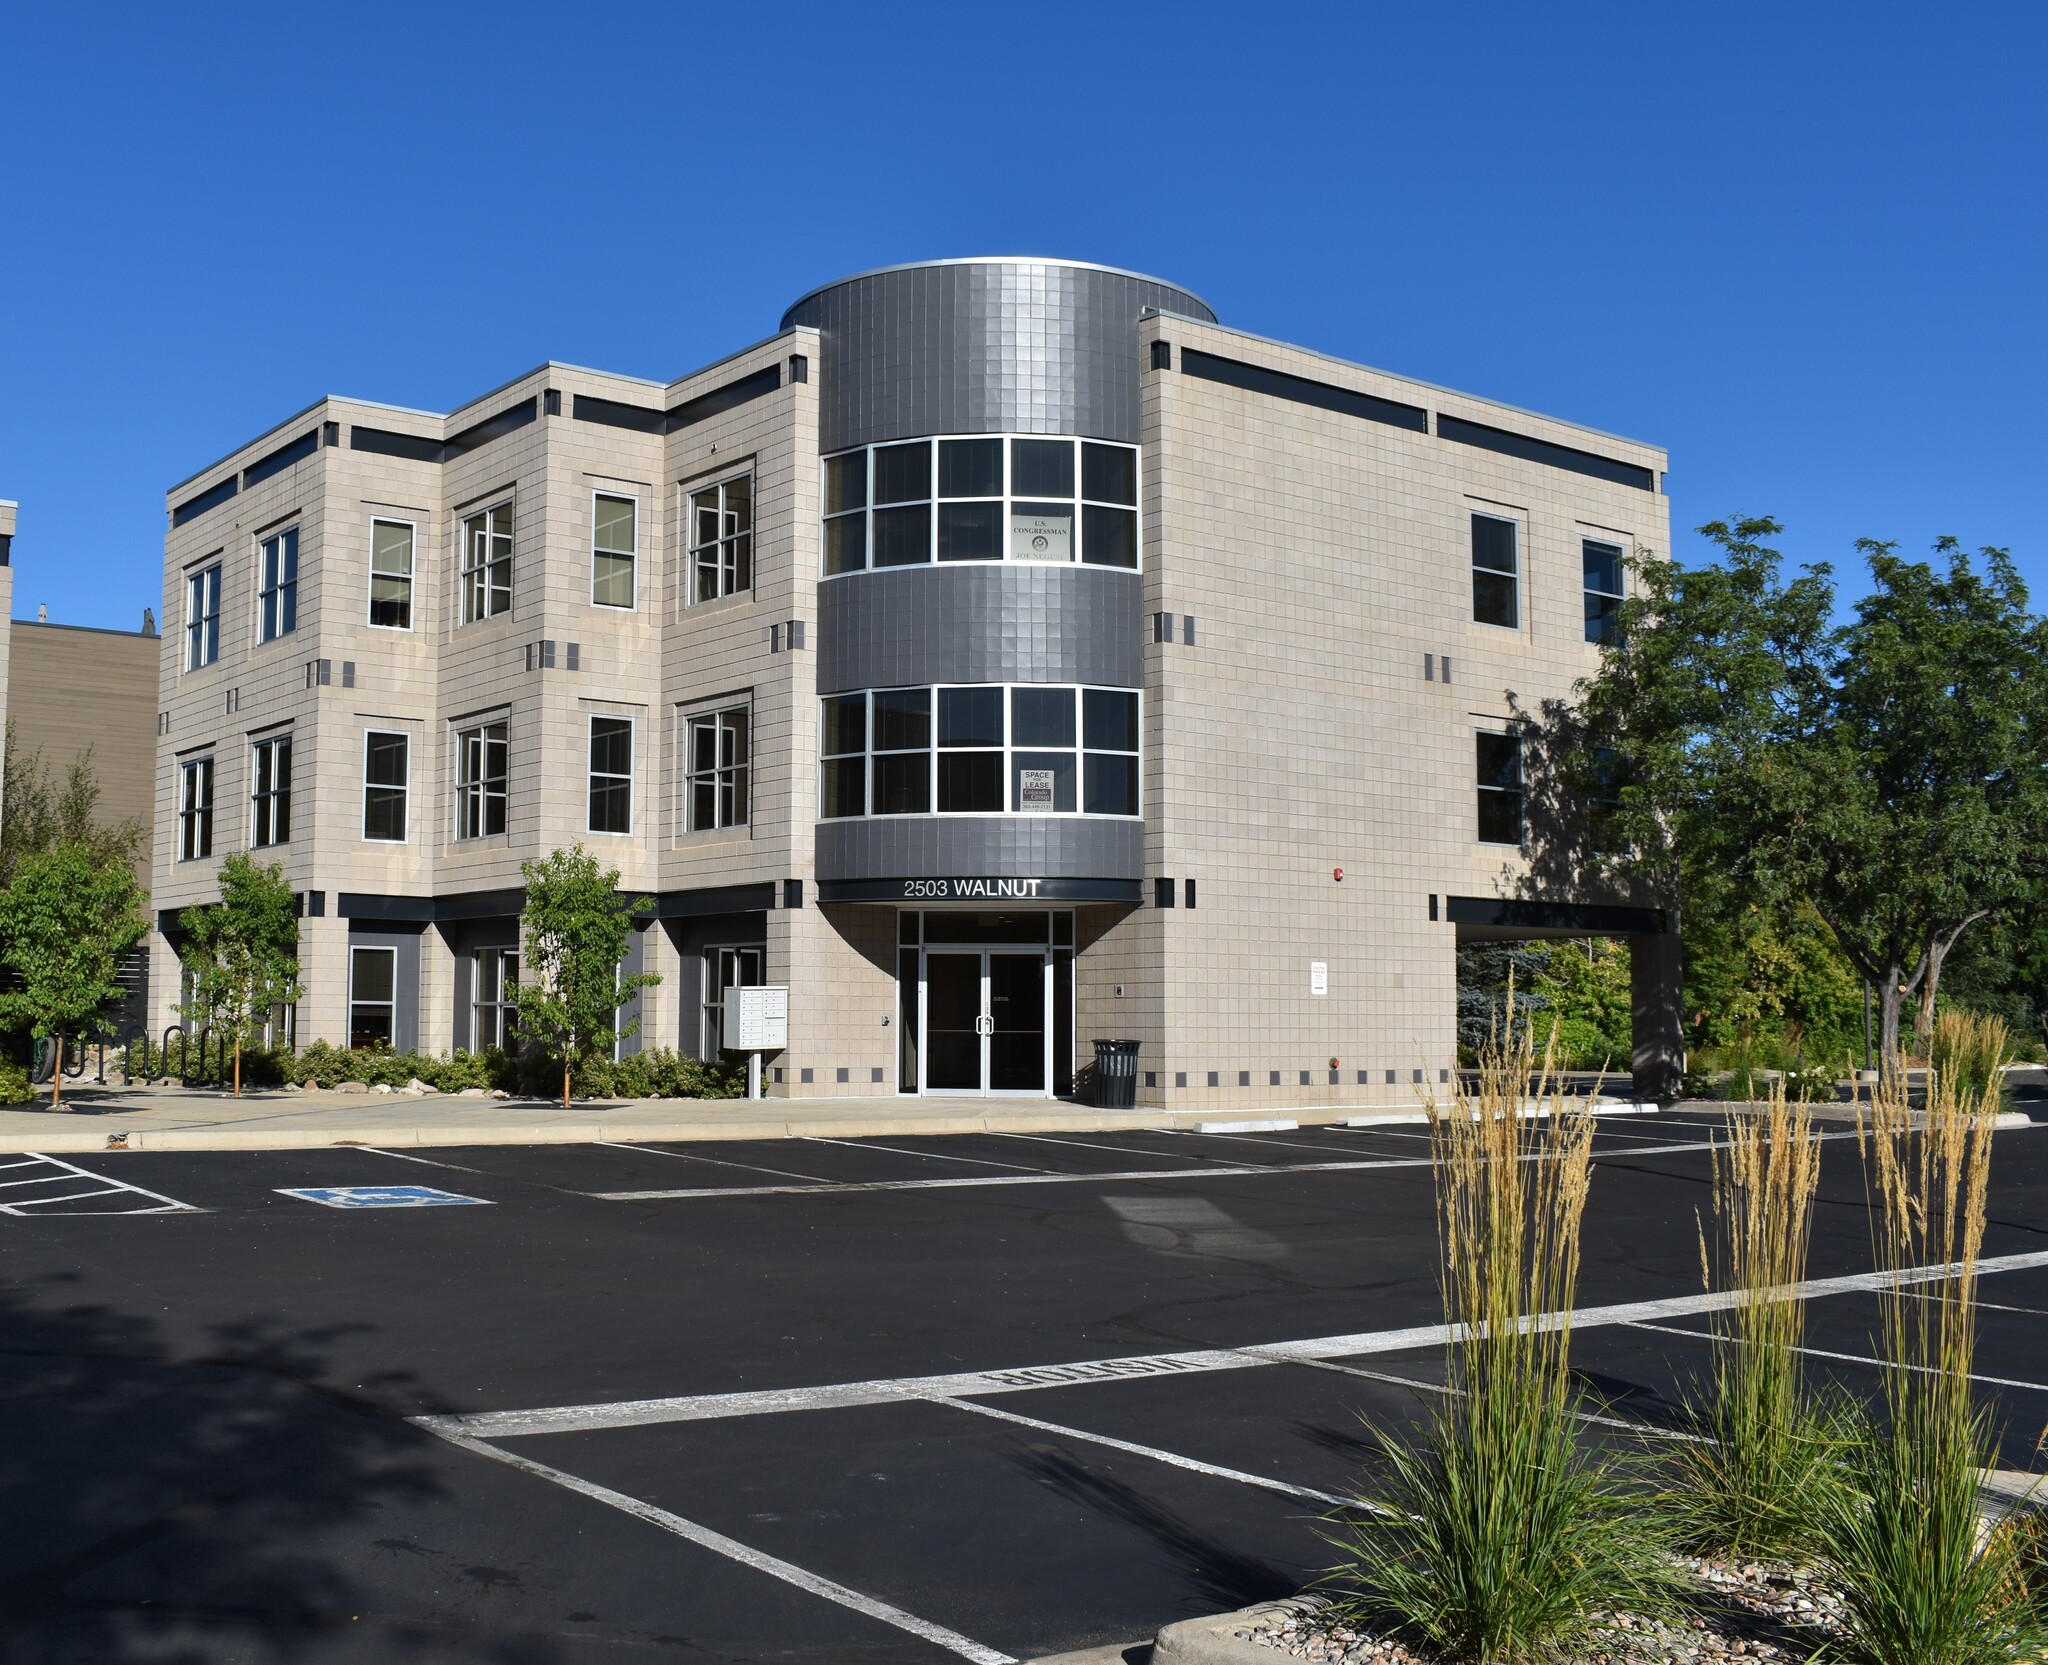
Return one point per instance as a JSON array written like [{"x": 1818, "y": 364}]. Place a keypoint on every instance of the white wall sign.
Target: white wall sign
[
  {"x": 757, "y": 1019},
  {"x": 1034, "y": 791},
  {"x": 1318, "y": 976}
]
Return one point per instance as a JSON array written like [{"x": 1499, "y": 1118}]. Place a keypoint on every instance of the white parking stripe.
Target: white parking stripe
[
  {"x": 1097, "y": 1178},
  {"x": 928, "y": 1155},
  {"x": 423, "y": 1161},
  {"x": 1119, "y": 1150},
  {"x": 716, "y": 1162},
  {"x": 1192, "y": 1464},
  {"x": 103, "y": 1186},
  {"x": 1849, "y": 1358},
  {"x": 632, "y": 1413},
  {"x": 733, "y": 1550}
]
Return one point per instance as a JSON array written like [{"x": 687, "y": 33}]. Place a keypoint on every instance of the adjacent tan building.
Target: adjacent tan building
[{"x": 1002, "y": 655}]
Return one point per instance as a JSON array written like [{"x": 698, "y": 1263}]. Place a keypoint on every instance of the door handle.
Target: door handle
[{"x": 984, "y": 1025}]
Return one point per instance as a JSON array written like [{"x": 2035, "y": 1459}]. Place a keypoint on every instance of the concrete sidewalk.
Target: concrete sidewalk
[{"x": 171, "y": 1118}]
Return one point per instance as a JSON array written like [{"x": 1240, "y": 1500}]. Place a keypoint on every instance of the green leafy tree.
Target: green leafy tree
[
  {"x": 242, "y": 951},
  {"x": 576, "y": 930},
  {"x": 1890, "y": 772},
  {"x": 38, "y": 813},
  {"x": 68, "y": 918},
  {"x": 1585, "y": 988}
]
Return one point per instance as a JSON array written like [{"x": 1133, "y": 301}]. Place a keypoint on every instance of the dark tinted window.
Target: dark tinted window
[
  {"x": 903, "y": 783},
  {"x": 970, "y": 468},
  {"x": 1494, "y": 598},
  {"x": 1111, "y": 720},
  {"x": 903, "y": 537},
  {"x": 903, "y": 473},
  {"x": 1042, "y": 717},
  {"x": 1111, "y": 785},
  {"x": 846, "y": 724},
  {"x": 846, "y": 483},
  {"x": 1042, "y": 467},
  {"x": 970, "y": 531},
  {"x": 903, "y": 720},
  {"x": 1109, "y": 474},
  {"x": 970, "y": 782},
  {"x": 971, "y": 717},
  {"x": 1109, "y": 536}
]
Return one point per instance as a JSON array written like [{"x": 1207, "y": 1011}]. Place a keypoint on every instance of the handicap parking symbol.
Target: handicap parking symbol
[{"x": 379, "y": 1196}]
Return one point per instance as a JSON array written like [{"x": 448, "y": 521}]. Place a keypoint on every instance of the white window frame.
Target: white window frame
[
  {"x": 190, "y": 814},
  {"x": 479, "y": 789},
  {"x": 403, "y": 789},
  {"x": 464, "y": 571},
  {"x": 632, "y": 556},
  {"x": 717, "y": 716},
  {"x": 202, "y": 624},
  {"x": 1008, "y": 751},
  {"x": 271, "y": 590},
  {"x": 1520, "y": 576},
  {"x": 412, "y": 587},
  {"x": 355, "y": 949},
  {"x": 692, "y": 548},
  {"x": 262, "y": 804},
  {"x": 1008, "y": 498},
  {"x": 591, "y": 775},
  {"x": 505, "y": 1021},
  {"x": 1623, "y": 546},
  {"x": 1520, "y": 793}
]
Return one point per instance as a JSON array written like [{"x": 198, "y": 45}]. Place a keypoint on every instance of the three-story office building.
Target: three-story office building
[{"x": 1003, "y": 654}]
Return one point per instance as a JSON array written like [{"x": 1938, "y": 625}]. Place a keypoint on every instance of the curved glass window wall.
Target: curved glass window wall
[
  {"x": 987, "y": 750},
  {"x": 981, "y": 498}
]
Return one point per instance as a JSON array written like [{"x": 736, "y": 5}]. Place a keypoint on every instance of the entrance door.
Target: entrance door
[{"x": 985, "y": 1021}]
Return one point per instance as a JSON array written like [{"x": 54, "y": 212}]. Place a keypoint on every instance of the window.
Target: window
[
  {"x": 270, "y": 792},
  {"x": 722, "y": 539},
  {"x": 487, "y": 564},
  {"x": 391, "y": 574},
  {"x": 1602, "y": 563},
  {"x": 611, "y": 774},
  {"x": 614, "y": 550},
  {"x": 981, "y": 498},
  {"x": 497, "y": 976},
  {"x": 277, "y": 599},
  {"x": 715, "y": 766},
  {"x": 195, "y": 809},
  {"x": 727, "y": 968},
  {"x": 202, "y": 617},
  {"x": 387, "y": 760},
  {"x": 1109, "y": 731},
  {"x": 1500, "y": 789},
  {"x": 993, "y": 750},
  {"x": 372, "y": 996},
  {"x": 480, "y": 781},
  {"x": 844, "y": 734},
  {"x": 1495, "y": 598}
]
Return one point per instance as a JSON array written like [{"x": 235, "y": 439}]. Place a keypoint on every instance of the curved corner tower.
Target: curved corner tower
[{"x": 980, "y": 425}]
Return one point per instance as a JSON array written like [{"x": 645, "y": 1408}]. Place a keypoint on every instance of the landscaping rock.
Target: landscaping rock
[
  {"x": 381, "y": 1087},
  {"x": 500, "y": 1093},
  {"x": 416, "y": 1085},
  {"x": 474, "y": 1092},
  {"x": 352, "y": 1086}
]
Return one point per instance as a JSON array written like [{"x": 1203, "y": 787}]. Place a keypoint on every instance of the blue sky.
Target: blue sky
[{"x": 1803, "y": 246}]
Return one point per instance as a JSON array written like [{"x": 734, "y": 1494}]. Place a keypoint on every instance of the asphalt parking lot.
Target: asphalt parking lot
[{"x": 985, "y": 1397}]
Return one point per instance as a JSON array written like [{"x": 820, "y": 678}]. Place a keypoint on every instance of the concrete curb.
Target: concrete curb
[
  {"x": 505, "y": 1124},
  {"x": 1210, "y": 1641}
]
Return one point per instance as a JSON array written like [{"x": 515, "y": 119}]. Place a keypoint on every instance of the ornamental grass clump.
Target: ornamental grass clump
[
  {"x": 1769, "y": 1464},
  {"x": 1925, "y": 1580},
  {"x": 1491, "y": 1536}
]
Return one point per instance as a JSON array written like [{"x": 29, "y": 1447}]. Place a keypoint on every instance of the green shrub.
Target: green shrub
[{"x": 15, "y": 1086}]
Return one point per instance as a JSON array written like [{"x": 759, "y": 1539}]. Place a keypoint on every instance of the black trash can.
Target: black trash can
[{"x": 1116, "y": 1075}]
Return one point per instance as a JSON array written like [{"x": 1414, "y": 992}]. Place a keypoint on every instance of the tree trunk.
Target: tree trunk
[
  {"x": 57, "y": 1074},
  {"x": 238, "y": 1063},
  {"x": 1891, "y": 996},
  {"x": 565, "y": 1079},
  {"x": 1938, "y": 948}
]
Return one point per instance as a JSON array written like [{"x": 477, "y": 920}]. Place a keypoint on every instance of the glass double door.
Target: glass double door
[{"x": 985, "y": 1025}]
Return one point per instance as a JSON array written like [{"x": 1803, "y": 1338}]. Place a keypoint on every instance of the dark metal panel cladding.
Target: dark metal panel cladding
[
  {"x": 982, "y": 346},
  {"x": 994, "y": 846},
  {"x": 995, "y": 622}
]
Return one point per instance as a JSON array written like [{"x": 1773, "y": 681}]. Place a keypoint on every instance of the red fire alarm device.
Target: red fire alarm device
[{"x": 1337, "y": 873}]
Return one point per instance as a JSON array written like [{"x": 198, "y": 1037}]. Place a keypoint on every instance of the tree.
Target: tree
[
  {"x": 68, "y": 918},
  {"x": 242, "y": 951},
  {"x": 1891, "y": 771},
  {"x": 37, "y": 814},
  {"x": 576, "y": 932}
]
